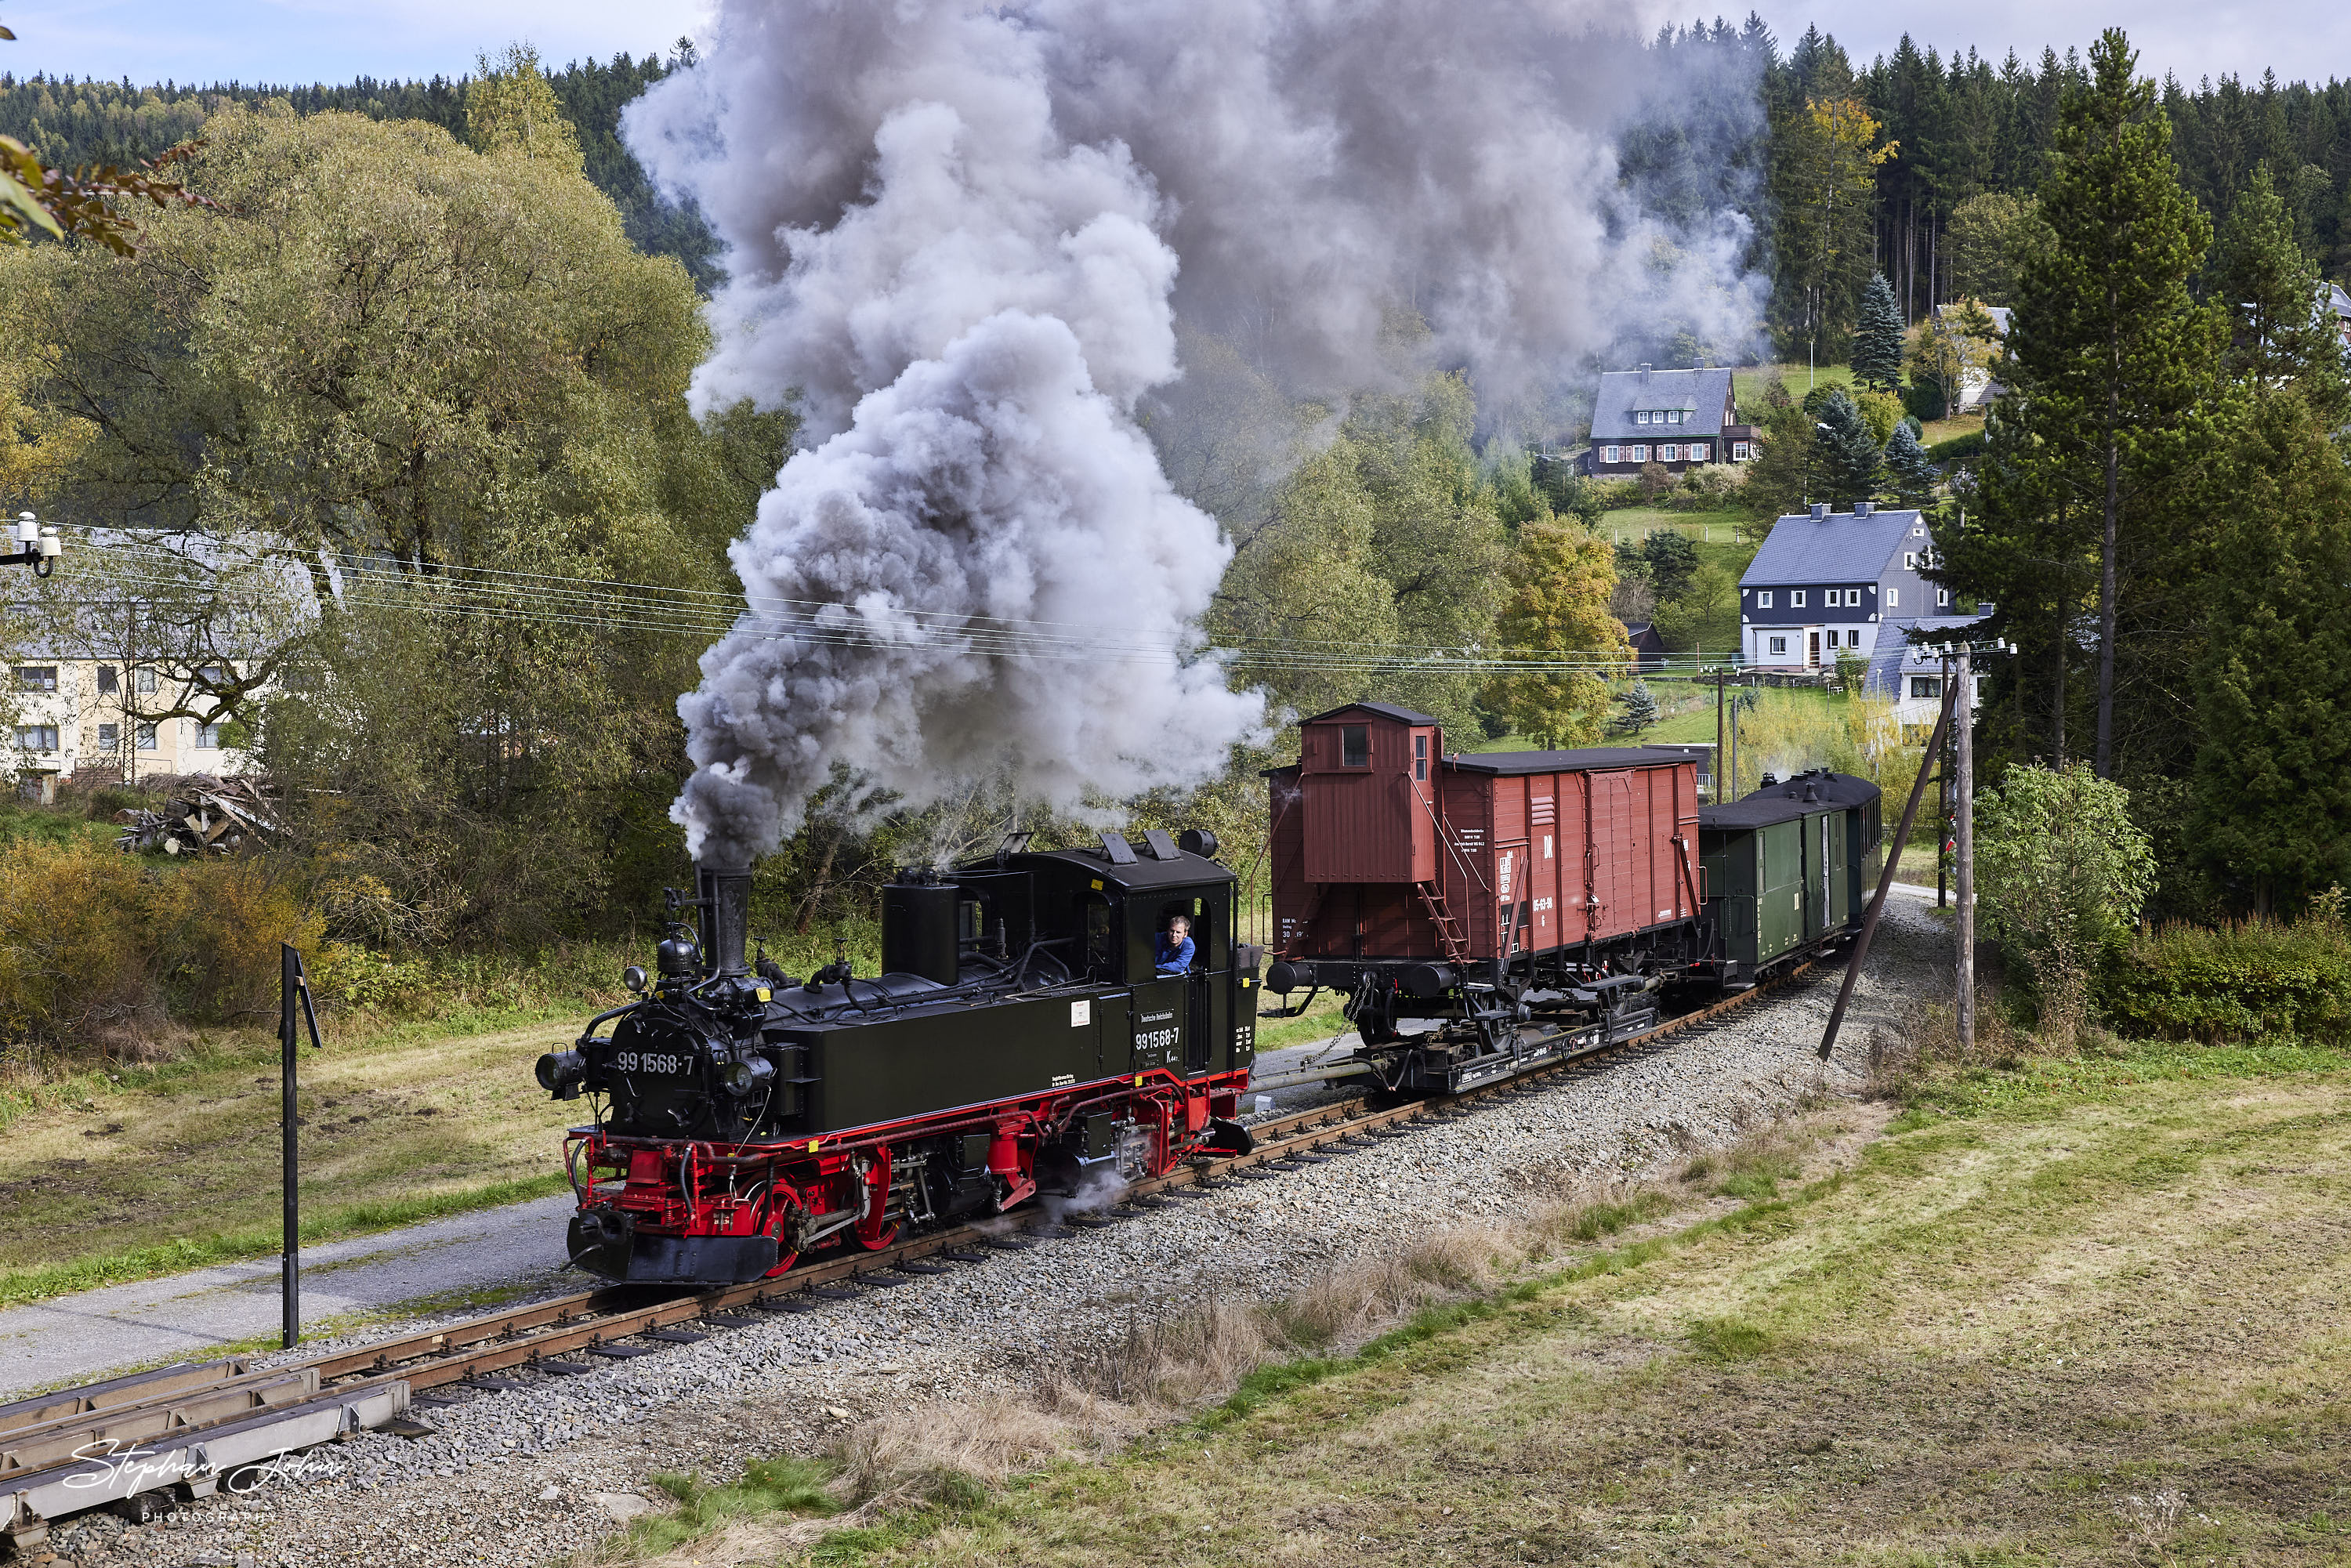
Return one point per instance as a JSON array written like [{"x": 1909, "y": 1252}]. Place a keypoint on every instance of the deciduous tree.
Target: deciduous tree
[{"x": 1560, "y": 580}]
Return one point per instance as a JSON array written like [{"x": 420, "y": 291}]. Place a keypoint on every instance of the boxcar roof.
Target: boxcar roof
[
  {"x": 1590, "y": 759},
  {"x": 1785, "y": 801},
  {"x": 1386, "y": 710}
]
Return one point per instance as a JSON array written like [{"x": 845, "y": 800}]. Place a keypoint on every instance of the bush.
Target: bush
[
  {"x": 1957, "y": 447},
  {"x": 2063, "y": 873},
  {"x": 99, "y": 948},
  {"x": 1924, "y": 400},
  {"x": 2232, "y": 982}
]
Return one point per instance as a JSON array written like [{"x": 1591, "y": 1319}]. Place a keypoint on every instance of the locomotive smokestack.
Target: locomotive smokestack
[{"x": 726, "y": 909}]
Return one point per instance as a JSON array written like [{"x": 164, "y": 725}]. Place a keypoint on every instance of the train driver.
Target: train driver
[{"x": 1173, "y": 946}]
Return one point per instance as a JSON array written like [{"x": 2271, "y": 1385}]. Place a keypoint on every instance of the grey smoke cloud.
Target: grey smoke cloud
[{"x": 961, "y": 236}]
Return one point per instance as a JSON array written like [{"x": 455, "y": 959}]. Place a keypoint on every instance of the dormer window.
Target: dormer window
[
  {"x": 1641, "y": 416},
  {"x": 1354, "y": 746}
]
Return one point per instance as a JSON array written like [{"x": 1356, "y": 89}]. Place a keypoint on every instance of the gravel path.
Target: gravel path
[{"x": 523, "y": 1477}]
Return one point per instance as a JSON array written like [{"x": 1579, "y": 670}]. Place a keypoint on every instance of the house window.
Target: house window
[
  {"x": 37, "y": 737},
  {"x": 1763, "y": 600},
  {"x": 146, "y": 737},
  {"x": 1640, "y": 416},
  {"x": 1668, "y": 453},
  {"x": 1909, "y": 560},
  {"x": 1420, "y": 757},
  {"x": 1609, "y": 455},
  {"x": 36, "y": 677},
  {"x": 1942, "y": 597},
  {"x": 1699, "y": 452},
  {"x": 1926, "y": 686},
  {"x": 1795, "y": 598},
  {"x": 1738, "y": 451},
  {"x": 1778, "y": 644},
  {"x": 107, "y": 683},
  {"x": 208, "y": 735},
  {"x": 1354, "y": 746},
  {"x": 1640, "y": 454},
  {"x": 1894, "y": 599},
  {"x": 145, "y": 682},
  {"x": 1832, "y": 637},
  {"x": 109, "y": 737}
]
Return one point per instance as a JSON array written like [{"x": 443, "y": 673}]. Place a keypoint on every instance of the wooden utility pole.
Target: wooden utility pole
[
  {"x": 1721, "y": 694},
  {"x": 1942, "y": 811},
  {"x": 1964, "y": 744}
]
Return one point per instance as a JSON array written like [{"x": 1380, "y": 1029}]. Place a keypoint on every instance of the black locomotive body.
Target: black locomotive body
[{"x": 1020, "y": 1038}]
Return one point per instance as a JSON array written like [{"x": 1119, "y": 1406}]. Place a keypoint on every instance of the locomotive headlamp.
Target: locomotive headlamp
[
  {"x": 748, "y": 1076},
  {"x": 633, "y": 978},
  {"x": 560, "y": 1072}
]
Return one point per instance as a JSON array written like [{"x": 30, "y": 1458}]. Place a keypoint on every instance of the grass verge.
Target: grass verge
[{"x": 2080, "y": 1311}]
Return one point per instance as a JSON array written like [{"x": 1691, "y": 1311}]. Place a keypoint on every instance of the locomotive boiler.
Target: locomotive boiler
[{"x": 1020, "y": 1038}]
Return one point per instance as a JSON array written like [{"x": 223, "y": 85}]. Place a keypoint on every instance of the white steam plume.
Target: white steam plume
[{"x": 952, "y": 233}]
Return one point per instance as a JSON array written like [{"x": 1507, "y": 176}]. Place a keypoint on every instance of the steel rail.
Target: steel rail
[{"x": 538, "y": 1333}]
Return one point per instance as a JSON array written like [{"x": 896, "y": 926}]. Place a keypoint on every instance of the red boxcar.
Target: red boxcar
[{"x": 1421, "y": 882}]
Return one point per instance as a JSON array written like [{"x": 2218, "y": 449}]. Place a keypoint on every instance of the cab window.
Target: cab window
[
  {"x": 1102, "y": 949},
  {"x": 1354, "y": 746}
]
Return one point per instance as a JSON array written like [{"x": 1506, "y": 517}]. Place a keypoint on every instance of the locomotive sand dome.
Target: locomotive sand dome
[
  {"x": 1488, "y": 913},
  {"x": 1018, "y": 1039}
]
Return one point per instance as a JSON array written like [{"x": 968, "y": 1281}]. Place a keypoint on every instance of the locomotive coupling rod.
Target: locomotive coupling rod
[{"x": 1886, "y": 877}]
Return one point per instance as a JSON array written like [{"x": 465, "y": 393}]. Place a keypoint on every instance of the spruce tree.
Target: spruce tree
[
  {"x": 1640, "y": 708},
  {"x": 2087, "y": 479},
  {"x": 1672, "y": 561},
  {"x": 2268, "y": 288},
  {"x": 2273, "y": 699},
  {"x": 1910, "y": 475},
  {"x": 1878, "y": 338},
  {"x": 1848, "y": 458}
]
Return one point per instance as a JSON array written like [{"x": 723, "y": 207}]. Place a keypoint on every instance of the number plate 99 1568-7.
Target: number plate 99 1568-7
[{"x": 652, "y": 1061}]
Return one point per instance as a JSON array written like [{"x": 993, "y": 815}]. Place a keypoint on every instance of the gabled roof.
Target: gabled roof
[
  {"x": 1386, "y": 710},
  {"x": 1703, "y": 393},
  {"x": 1895, "y": 655},
  {"x": 1840, "y": 547}
]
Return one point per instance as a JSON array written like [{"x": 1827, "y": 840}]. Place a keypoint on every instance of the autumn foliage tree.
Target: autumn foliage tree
[{"x": 1559, "y": 577}]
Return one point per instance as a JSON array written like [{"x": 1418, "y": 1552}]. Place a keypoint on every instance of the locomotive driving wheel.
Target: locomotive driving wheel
[
  {"x": 780, "y": 1210},
  {"x": 875, "y": 1230}
]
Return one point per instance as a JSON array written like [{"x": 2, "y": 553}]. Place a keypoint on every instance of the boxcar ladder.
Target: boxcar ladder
[{"x": 1448, "y": 929}]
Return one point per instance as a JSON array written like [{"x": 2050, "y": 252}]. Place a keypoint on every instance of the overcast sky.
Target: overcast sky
[{"x": 334, "y": 40}]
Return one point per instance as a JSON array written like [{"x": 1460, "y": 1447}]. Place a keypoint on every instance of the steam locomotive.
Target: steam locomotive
[{"x": 1020, "y": 1038}]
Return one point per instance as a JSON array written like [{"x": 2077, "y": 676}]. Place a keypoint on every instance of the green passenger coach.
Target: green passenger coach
[{"x": 1786, "y": 870}]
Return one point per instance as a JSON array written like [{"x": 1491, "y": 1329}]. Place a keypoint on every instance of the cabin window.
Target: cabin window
[
  {"x": 1101, "y": 960},
  {"x": 1354, "y": 746},
  {"x": 1420, "y": 757}
]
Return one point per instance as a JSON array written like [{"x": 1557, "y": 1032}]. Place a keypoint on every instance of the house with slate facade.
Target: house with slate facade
[
  {"x": 1677, "y": 418},
  {"x": 1829, "y": 582}
]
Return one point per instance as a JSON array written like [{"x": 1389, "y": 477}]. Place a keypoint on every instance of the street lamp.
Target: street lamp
[{"x": 38, "y": 545}]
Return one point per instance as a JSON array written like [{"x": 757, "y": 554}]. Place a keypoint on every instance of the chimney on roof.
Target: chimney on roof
[
  {"x": 1860, "y": 508},
  {"x": 1645, "y": 372},
  {"x": 1820, "y": 510}
]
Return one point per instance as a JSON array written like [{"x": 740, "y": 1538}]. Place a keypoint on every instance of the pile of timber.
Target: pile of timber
[{"x": 222, "y": 815}]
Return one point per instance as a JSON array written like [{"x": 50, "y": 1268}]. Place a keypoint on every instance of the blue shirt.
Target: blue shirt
[{"x": 1173, "y": 960}]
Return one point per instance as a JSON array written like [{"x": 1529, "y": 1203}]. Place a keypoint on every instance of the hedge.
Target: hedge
[{"x": 2235, "y": 982}]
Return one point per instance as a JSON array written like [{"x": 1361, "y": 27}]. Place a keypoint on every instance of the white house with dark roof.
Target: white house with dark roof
[
  {"x": 1826, "y": 583},
  {"x": 1977, "y": 389},
  {"x": 1905, "y": 666},
  {"x": 1677, "y": 418}
]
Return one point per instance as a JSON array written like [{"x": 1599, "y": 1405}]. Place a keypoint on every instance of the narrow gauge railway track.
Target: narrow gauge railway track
[{"x": 199, "y": 1425}]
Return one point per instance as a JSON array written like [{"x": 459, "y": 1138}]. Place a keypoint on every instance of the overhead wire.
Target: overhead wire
[{"x": 604, "y": 605}]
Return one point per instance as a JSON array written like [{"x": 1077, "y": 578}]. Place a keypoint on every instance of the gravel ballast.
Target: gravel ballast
[{"x": 532, "y": 1475}]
